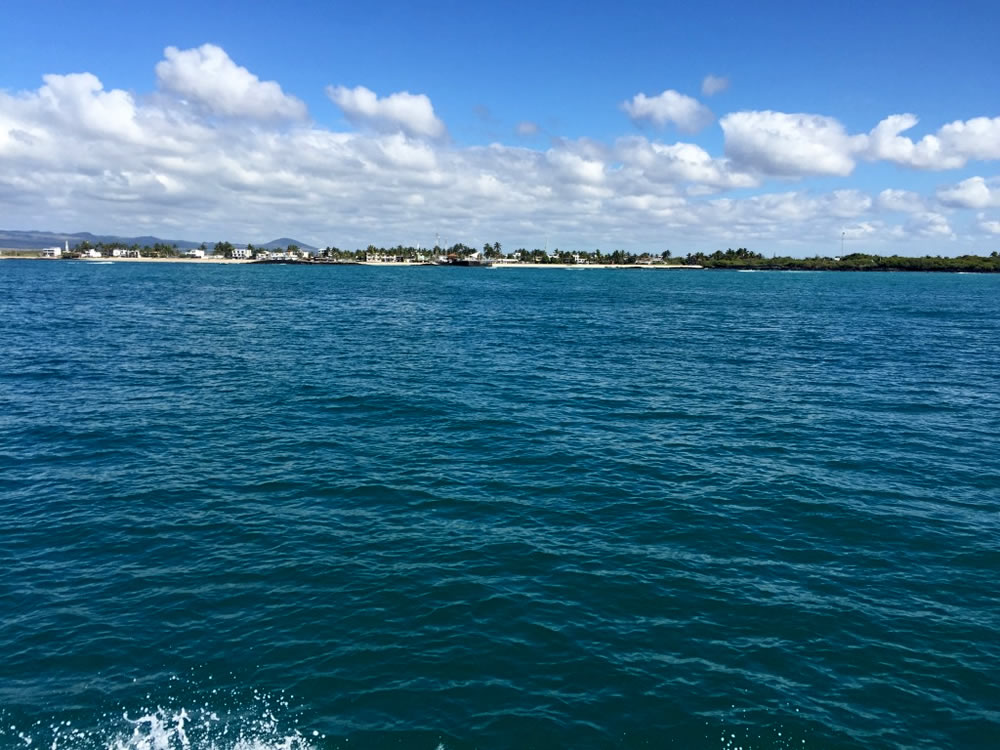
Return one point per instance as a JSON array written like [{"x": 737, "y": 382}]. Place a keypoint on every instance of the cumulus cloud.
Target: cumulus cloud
[
  {"x": 575, "y": 167},
  {"x": 712, "y": 85},
  {"x": 680, "y": 162},
  {"x": 975, "y": 192},
  {"x": 953, "y": 146},
  {"x": 78, "y": 155},
  {"x": 208, "y": 77},
  {"x": 789, "y": 145},
  {"x": 795, "y": 145},
  {"x": 886, "y": 143},
  {"x": 410, "y": 113},
  {"x": 849, "y": 203},
  {"x": 975, "y": 139},
  {"x": 79, "y": 99},
  {"x": 988, "y": 226},
  {"x": 930, "y": 224},
  {"x": 903, "y": 201},
  {"x": 688, "y": 114}
]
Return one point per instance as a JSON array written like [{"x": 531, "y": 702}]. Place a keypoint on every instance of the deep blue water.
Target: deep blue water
[{"x": 254, "y": 507}]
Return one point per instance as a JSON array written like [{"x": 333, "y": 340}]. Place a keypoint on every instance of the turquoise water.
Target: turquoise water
[{"x": 256, "y": 507}]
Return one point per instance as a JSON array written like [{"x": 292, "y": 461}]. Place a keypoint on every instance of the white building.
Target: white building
[
  {"x": 377, "y": 257},
  {"x": 196, "y": 253},
  {"x": 241, "y": 253},
  {"x": 130, "y": 253},
  {"x": 92, "y": 253},
  {"x": 52, "y": 252}
]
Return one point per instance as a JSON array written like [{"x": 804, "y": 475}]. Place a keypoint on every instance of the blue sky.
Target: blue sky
[{"x": 527, "y": 123}]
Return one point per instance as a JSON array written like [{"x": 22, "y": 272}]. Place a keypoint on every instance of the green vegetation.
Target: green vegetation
[
  {"x": 741, "y": 258},
  {"x": 744, "y": 259}
]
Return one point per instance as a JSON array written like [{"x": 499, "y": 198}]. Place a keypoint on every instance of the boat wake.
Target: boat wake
[{"x": 260, "y": 723}]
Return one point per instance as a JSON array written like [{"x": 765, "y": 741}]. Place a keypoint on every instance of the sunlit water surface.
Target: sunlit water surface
[{"x": 279, "y": 507}]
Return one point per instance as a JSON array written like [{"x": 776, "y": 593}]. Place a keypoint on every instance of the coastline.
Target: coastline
[
  {"x": 214, "y": 261},
  {"x": 12, "y": 254},
  {"x": 388, "y": 264}
]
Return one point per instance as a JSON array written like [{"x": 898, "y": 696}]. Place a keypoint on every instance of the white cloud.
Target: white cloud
[
  {"x": 410, "y": 113},
  {"x": 208, "y": 77},
  {"x": 688, "y": 114},
  {"x": 848, "y": 204},
  {"x": 975, "y": 139},
  {"x": 680, "y": 162},
  {"x": 77, "y": 101},
  {"x": 930, "y": 224},
  {"x": 974, "y": 192},
  {"x": 988, "y": 226},
  {"x": 886, "y": 143},
  {"x": 712, "y": 85},
  {"x": 903, "y": 201},
  {"x": 76, "y": 155},
  {"x": 796, "y": 208},
  {"x": 575, "y": 167},
  {"x": 862, "y": 230},
  {"x": 953, "y": 146},
  {"x": 793, "y": 145},
  {"x": 789, "y": 145}
]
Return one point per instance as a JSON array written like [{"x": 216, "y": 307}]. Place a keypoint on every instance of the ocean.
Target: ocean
[{"x": 262, "y": 507}]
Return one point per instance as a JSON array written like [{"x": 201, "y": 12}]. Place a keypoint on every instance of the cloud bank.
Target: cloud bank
[{"x": 216, "y": 152}]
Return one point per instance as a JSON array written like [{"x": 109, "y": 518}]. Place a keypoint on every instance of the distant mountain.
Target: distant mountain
[
  {"x": 35, "y": 239},
  {"x": 282, "y": 242}
]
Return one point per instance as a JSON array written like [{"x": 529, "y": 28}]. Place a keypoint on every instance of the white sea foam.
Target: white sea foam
[{"x": 258, "y": 725}]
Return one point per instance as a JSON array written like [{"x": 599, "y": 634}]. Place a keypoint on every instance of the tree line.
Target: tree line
[{"x": 740, "y": 258}]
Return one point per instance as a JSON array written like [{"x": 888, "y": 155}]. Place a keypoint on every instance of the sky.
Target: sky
[{"x": 783, "y": 127}]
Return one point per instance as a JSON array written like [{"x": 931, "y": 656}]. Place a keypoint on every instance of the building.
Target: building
[
  {"x": 373, "y": 256},
  {"x": 241, "y": 253},
  {"x": 128, "y": 252},
  {"x": 52, "y": 252},
  {"x": 196, "y": 253}
]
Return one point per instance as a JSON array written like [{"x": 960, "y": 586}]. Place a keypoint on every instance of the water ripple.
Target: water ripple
[{"x": 358, "y": 507}]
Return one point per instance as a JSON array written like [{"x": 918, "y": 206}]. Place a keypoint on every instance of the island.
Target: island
[{"x": 493, "y": 254}]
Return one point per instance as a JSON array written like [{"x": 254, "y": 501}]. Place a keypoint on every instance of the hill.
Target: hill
[
  {"x": 282, "y": 242},
  {"x": 35, "y": 239}
]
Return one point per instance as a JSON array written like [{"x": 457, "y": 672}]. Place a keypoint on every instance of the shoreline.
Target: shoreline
[
  {"x": 213, "y": 261},
  {"x": 387, "y": 264},
  {"x": 22, "y": 255}
]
